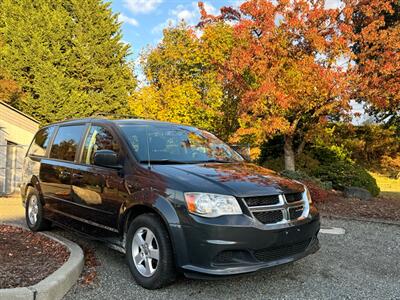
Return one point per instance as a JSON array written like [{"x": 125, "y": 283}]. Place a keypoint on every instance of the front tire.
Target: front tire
[
  {"x": 149, "y": 252},
  {"x": 34, "y": 214}
]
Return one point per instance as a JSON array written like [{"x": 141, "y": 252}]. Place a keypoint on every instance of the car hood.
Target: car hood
[{"x": 238, "y": 179}]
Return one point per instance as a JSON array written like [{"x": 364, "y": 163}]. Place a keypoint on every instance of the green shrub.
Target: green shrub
[
  {"x": 302, "y": 176},
  {"x": 327, "y": 166},
  {"x": 336, "y": 166},
  {"x": 276, "y": 164},
  {"x": 305, "y": 162},
  {"x": 344, "y": 174},
  {"x": 329, "y": 154},
  {"x": 366, "y": 144}
]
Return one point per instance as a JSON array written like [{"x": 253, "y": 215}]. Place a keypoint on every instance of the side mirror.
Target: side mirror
[
  {"x": 243, "y": 150},
  {"x": 106, "y": 158}
]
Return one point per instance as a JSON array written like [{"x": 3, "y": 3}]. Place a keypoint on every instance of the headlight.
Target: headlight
[{"x": 212, "y": 205}]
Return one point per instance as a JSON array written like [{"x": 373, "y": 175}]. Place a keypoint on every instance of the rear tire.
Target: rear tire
[
  {"x": 34, "y": 215},
  {"x": 147, "y": 239}
]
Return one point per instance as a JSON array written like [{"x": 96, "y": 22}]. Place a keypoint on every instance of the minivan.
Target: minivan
[{"x": 173, "y": 198}]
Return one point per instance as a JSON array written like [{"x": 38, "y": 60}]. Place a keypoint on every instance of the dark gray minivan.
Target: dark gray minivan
[{"x": 174, "y": 198}]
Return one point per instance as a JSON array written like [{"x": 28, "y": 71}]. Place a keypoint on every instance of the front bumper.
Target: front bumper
[{"x": 238, "y": 244}]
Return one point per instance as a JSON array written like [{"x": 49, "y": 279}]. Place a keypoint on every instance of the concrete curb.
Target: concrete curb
[
  {"x": 379, "y": 221},
  {"x": 57, "y": 284}
]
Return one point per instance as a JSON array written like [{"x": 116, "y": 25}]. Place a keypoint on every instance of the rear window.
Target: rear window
[
  {"x": 66, "y": 142},
  {"x": 41, "y": 142}
]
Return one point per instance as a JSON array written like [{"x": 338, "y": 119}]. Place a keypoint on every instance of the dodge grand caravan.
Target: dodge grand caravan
[{"x": 173, "y": 198}]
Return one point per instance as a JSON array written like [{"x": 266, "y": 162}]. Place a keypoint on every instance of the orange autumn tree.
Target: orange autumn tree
[
  {"x": 9, "y": 89},
  {"x": 376, "y": 44},
  {"x": 286, "y": 61}
]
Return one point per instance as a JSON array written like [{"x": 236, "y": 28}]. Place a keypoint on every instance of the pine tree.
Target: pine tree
[{"x": 67, "y": 57}]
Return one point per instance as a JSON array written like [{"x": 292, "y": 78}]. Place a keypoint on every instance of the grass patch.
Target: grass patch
[{"x": 389, "y": 187}]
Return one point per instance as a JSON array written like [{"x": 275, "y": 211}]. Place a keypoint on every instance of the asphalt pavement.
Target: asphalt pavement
[{"x": 364, "y": 263}]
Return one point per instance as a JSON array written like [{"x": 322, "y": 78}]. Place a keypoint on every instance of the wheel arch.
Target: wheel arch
[
  {"x": 33, "y": 183},
  {"x": 165, "y": 211}
]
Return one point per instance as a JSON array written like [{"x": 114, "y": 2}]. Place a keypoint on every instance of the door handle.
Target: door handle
[{"x": 77, "y": 176}]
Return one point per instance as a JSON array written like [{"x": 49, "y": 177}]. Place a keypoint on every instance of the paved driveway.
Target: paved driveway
[
  {"x": 11, "y": 209},
  {"x": 364, "y": 263}
]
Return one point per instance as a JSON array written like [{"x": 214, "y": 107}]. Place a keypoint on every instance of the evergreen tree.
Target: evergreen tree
[{"x": 67, "y": 56}]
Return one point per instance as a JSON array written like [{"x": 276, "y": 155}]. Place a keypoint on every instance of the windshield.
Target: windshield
[{"x": 177, "y": 144}]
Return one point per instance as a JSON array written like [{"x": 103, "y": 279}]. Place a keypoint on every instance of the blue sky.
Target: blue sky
[{"x": 144, "y": 20}]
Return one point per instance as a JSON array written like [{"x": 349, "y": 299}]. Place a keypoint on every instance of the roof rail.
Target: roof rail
[{"x": 127, "y": 116}]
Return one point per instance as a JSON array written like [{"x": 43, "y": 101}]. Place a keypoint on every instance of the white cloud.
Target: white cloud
[
  {"x": 236, "y": 3},
  {"x": 189, "y": 13},
  {"x": 160, "y": 27},
  {"x": 182, "y": 13},
  {"x": 142, "y": 6},
  {"x": 125, "y": 19},
  {"x": 210, "y": 9}
]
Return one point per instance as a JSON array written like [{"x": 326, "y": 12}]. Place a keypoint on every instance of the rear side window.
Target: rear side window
[
  {"x": 66, "y": 142},
  {"x": 99, "y": 138},
  {"x": 41, "y": 142}
]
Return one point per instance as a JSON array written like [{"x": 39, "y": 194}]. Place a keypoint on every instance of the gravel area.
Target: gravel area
[{"x": 363, "y": 263}]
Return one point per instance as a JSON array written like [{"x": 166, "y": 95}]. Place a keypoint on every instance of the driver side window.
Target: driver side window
[{"x": 99, "y": 138}]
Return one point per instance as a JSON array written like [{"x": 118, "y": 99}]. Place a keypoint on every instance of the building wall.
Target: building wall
[
  {"x": 16, "y": 133},
  {"x": 17, "y": 127}
]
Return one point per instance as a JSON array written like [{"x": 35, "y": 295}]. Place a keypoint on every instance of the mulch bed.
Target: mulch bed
[
  {"x": 333, "y": 203},
  {"x": 377, "y": 208},
  {"x": 27, "y": 257}
]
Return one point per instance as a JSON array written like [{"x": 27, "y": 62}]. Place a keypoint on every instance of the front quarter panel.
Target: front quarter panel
[{"x": 166, "y": 205}]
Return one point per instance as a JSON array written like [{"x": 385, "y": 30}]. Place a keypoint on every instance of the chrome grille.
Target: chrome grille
[
  {"x": 278, "y": 209},
  {"x": 295, "y": 212},
  {"x": 263, "y": 200},
  {"x": 293, "y": 197}
]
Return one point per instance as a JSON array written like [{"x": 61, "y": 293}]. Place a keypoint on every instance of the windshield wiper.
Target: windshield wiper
[
  {"x": 164, "y": 161},
  {"x": 214, "y": 161}
]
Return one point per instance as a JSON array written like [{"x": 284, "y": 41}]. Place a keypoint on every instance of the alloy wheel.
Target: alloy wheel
[
  {"x": 33, "y": 209},
  {"x": 145, "y": 251}
]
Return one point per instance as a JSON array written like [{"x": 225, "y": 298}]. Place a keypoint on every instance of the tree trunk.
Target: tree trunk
[
  {"x": 300, "y": 149},
  {"x": 289, "y": 154}
]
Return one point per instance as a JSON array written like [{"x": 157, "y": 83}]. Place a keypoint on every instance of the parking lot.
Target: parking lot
[{"x": 364, "y": 263}]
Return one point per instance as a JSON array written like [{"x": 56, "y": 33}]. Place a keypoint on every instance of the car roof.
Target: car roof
[{"x": 115, "y": 121}]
